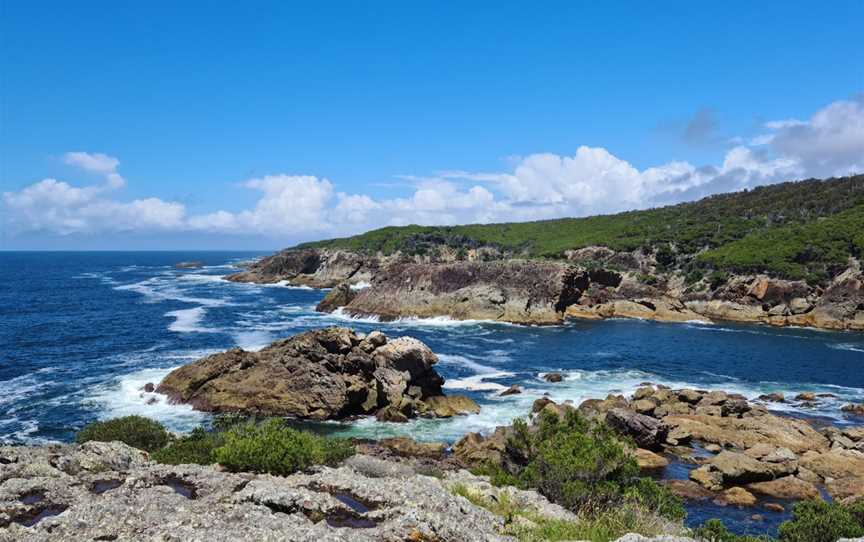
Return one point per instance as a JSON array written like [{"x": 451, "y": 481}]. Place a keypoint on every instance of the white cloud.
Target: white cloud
[
  {"x": 97, "y": 163},
  {"x": 537, "y": 186}
]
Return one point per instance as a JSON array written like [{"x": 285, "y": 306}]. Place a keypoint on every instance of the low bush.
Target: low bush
[
  {"x": 529, "y": 526},
  {"x": 274, "y": 448},
  {"x": 198, "y": 447},
  {"x": 136, "y": 431},
  {"x": 819, "y": 521},
  {"x": 582, "y": 465}
]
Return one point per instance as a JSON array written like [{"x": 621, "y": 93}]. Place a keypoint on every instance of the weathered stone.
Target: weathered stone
[
  {"x": 330, "y": 373},
  {"x": 773, "y": 397},
  {"x": 690, "y": 396},
  {"x": 835, "y": 463},
  {"x": 648, "y": 460},
  {"x": 787, "y": 487},
  {"x": 688, "y": 490},
  {"x": 553, "y": 377},
  {"x": 647, "y": 432},
  {"x": 512, "y": 390},
  {"x": 710, "y": 479},
  {"x": 737, "y": 468},
  {"x": 850, "y": 488},
  {"x": 743, "y": 433},
  {"x": 644, "y": 406},
  {"x": 736, "y": 496},
  {"x": 446, "y": 406}
]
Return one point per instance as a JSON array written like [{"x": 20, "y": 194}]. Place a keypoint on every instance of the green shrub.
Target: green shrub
[
  {"x": 582, "y": 465},
  {"x": 136, "y": 431},
  {"x": 713, "y": 530},
  {"x": 819, "y": 521},
  {"x": 274, "y": 448},
  {"x": 198, "y": 447}
]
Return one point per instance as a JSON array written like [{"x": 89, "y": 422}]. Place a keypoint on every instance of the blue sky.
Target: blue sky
[{"x": 260, "y": 125}]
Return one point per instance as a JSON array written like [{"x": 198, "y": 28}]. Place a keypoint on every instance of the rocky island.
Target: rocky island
[
  {"x": 784, "y": 255},
  {"x": 332, "y": 373}
]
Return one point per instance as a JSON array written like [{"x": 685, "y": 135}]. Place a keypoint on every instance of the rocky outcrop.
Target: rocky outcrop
[
  {"x": 108, "y": 491},
  {"x": 527, "y": 292},
  {"x": 310, "y": 267},
  {"x": 330, "y": 373}
]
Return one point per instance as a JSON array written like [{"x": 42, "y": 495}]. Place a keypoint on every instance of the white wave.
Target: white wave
[
  {"x": 406, "y": 321},
  {"x": 478, "y": 382},
  {"x": 252, "y": 341},
  {"x": 285, "y": 284},
  {"x": 362, "y": 285},
  {"x": 124, "y": 397},
  {"x": 155, "y": 290},
  {"x": 847, "y": 346},
  {"x": 197, "y": 277},
  {"x": 464, "y": 361},
  {"x": 189, "y": 320}
]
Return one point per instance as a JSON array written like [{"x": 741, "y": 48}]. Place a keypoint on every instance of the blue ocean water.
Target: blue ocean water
[{"x": 81, "y": 333}]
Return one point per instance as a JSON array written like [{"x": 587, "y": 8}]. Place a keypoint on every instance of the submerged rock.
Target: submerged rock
[{"x": 330, "y": 373}]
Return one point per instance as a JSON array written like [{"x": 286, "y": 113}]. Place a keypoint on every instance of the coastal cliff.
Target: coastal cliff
[{"x": 787, "y": 254}]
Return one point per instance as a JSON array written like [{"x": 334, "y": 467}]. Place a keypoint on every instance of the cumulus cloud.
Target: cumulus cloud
[
  {"x": 97, "y": 163},
  {"x": 543, "y": 185}
]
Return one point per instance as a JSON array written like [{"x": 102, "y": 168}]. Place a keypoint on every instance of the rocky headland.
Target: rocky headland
[
  {"x": 590, "y": 283},
  {"x": 326, "y": 374}
]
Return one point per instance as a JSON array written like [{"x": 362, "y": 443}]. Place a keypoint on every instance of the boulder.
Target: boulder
[
  {"x": 690, "y": 396},
  {"x": 855, "y": 410},
  {"x": 339, "y": 296},
  {"x": 647, "y": 432},
  {"x": 835, "y": 463},
  {"x": 736, "y": 496},
  {"x": 512, "y": 390},
  {"x": 738, "y": 468},
  {"x": 786, "y": 487},
  {"x": 475, "y": 449},
  {"x": 324, "y": 374},
  {"x": 539, "y": 404},
  {"x": 553, "y": 377},
  {"x": 648, "y": 460},
  {"x": 688, "y": 490},
  {"x": 708, "y": 478},
  {"x": 447, "y": 406},
  {"x": 772, "y": 398},
  {"x": 808, "y": 396},
  {"x": 846, "y": 489},
  {"x": 408, "y": 447}
]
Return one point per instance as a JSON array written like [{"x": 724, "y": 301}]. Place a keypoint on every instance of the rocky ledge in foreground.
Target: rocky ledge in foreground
[{"x": 325, "y": 374}]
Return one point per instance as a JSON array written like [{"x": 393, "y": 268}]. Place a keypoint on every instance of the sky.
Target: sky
[{"x": 257, "y": 125}]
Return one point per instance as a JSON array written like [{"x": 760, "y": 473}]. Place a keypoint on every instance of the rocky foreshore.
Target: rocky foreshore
[
  {"x": 739, "y": 453},
  {"x": 109, "y": 491},
  {"x": 331, "y": 373},
  {"x": 590, "y": 283}
]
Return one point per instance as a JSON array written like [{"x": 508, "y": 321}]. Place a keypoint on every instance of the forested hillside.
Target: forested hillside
[{"x": 804, "y": 229}]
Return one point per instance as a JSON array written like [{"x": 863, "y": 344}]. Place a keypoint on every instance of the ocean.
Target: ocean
[{"x": 82, "y": 332}]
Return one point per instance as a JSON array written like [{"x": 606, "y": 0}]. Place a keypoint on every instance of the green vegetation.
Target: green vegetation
[
  {"x": 273, "y": 447},
  {"x": 528, "y": 526},
  {"x": 803, "y": 229},
  {"x": 136, "y": 431},
  {"x": 818, "y": 521},
  {"x": 239, "y": 445},
  {"x": 198, "y": 447},
  {"x": 812, "y": 521},
  {"x": 584, "y": 466}
]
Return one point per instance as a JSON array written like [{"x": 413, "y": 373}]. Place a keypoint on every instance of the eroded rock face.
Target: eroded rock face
[
  {"x": 310, "y": 267},
  {"x": 530, "y": 292},
  {"x": 324, "y": 374}
]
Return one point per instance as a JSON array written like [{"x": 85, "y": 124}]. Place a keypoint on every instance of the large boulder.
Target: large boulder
[
  {"x": 647, "y": 432},
  {"x": 330, "y": 373}
]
